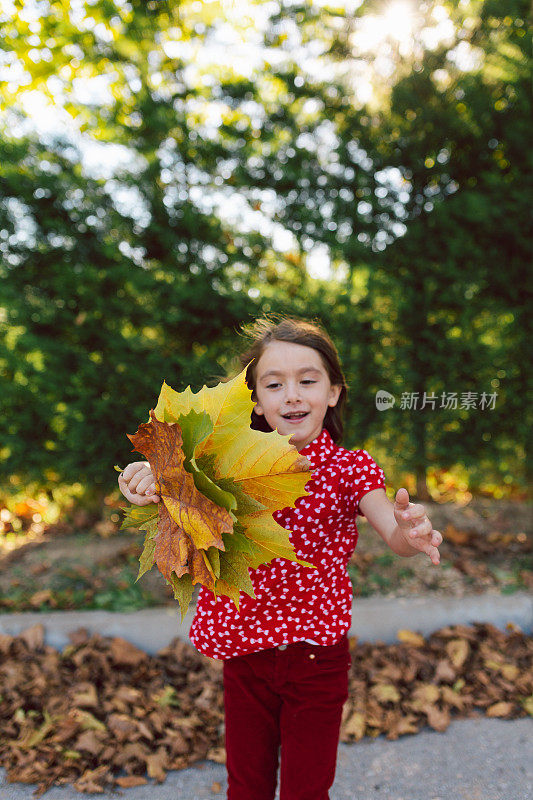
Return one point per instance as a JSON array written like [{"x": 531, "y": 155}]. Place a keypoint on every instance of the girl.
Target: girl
[{"x": 285, "y": 652}]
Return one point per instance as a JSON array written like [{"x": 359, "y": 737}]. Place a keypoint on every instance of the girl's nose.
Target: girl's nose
[{"x": 292, "y": 392}]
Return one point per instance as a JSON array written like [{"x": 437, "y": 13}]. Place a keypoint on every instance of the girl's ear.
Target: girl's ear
[
  {"x": 257, "y": 408},
  {"x": 334, "y": 395}
]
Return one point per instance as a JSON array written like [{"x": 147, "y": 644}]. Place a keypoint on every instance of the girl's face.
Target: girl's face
[{"x": 292, "y": 378}]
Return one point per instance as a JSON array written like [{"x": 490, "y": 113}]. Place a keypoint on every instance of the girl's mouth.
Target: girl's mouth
[{"x": 296, "y": 419}]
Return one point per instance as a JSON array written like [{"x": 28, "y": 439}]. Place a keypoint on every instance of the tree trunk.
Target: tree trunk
[{"x": 422, "y": 491}]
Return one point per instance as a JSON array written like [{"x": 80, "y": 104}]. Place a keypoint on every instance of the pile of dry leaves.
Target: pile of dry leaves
[{"x": 103, "y": 713}]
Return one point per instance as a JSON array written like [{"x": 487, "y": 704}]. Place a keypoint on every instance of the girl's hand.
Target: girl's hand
[
  {"x": 137, "y": 484},
  {"x": 415, "y": 526}
]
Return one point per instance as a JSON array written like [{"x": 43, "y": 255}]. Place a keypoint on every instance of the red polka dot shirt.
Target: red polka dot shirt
[{"x": 295, "y": 603}]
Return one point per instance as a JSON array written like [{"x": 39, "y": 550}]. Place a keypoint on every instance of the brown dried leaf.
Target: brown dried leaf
[
  {"x": 452, "y": 698},
  {"x": 176, "y": 552},
  {"x": 93, "y": 780},
  {"x": 411, "y": 637},
  {"x": 122, "y": 726},
  {"x": 125, "y": 653},
  {"x": 439, "y": 719},
  {"x": 455, "y": 536},
  {"x": 217, "y": 754},
  {"x": 90, "y": 741},
  {"x": 501, "y": 709},
  {"x": 33, "y": 636},
  {"x": 189, "y": 523},
  {"x": 444, "y": 671},
  {"x": 40, "y": 597},
  {"x": 354, "y": 727},
  {"x": 128, "y": 781},
  {"x": 84, "y": 695},
  {"x": 458, "y": 651},
  {"x": 157, "y": 765},
  {"x": 424, "y": 694},
  {"x": 385, "y": 693},
  {"x": 403, "y": 724}
]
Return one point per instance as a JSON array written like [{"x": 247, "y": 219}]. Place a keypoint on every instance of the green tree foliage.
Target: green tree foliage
[
  {"x": 110, "y": 285},
  {"x": 424, "y": 196},
  {"x": 459, "y": 276}
]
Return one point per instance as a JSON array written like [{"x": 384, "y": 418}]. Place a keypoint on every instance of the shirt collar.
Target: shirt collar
[{"x": 320, "y": 449}]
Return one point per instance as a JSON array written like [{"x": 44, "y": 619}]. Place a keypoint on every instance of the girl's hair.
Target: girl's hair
[{"x": 276, "y": 327}]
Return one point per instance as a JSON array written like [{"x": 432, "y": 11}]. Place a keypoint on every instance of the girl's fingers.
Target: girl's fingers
[
  {"x": 421, "y": 529},
  {"x": 141, "y": 482},
  {"x": 415, "y": 512},
  {"x": 135, "y": 472},
  {"x": 143, "y": 501},
  {"x": 427, "y": 548},
  {"x": 427, "y": 543},
  {"x": 144, "y": 484},
  {"x": 433, "y": 553},
  {"x": 436, "y": 538},
  {"x": 136, "y": 482},
  {"x": 132, "y": 469}
]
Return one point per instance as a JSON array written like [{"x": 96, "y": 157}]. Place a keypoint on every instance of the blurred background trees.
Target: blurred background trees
[{"x": 171, "y": 170}]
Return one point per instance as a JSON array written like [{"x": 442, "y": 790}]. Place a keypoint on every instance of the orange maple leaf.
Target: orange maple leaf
[{"x": 188, "y": 522}]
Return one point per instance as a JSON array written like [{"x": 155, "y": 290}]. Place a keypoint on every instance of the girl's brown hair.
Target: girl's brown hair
[{"x": 276, "y": 327}]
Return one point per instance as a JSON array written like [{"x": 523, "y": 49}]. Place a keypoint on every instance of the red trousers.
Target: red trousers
[{"x": 289, "y": 698}]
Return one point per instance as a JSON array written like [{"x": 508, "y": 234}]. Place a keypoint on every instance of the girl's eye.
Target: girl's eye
[{"x": 271, "y": 385}]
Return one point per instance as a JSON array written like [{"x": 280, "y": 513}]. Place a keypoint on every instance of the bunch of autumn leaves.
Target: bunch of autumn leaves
[{"x": 219, "y": 482}]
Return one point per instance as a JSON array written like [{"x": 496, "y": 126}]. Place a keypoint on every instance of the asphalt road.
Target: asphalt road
[{"x": 474, "y": 759}]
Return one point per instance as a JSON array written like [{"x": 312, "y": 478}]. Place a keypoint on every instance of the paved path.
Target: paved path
[
  {"x": 474, "y": 759},
  {"x": 373, "y": 618}
]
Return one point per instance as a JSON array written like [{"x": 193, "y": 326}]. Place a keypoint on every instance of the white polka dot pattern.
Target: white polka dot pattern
[{"x": 295, "y": 603}]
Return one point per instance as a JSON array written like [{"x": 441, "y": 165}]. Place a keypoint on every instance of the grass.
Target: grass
[
  {"x": 84, "y": 571},
  {"x": 73, "y": 587},
  {"x": 380, "y": 577},
  {"x": 513, "y": 579}
]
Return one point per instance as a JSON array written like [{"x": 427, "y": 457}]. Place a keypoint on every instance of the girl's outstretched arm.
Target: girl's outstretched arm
[{"x": 404, "y": 526}]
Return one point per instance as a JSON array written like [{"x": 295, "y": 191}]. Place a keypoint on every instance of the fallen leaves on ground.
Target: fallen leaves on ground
[
  {"x": 479, "y": 555},
  {"x": 458, "y": 671},
  {"x": 103, "y": 713}
]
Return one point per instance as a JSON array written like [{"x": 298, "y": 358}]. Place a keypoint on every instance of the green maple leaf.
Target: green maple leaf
[
  {"x": 194, "y": 429},
  {"x": 183, "y": 591}
]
